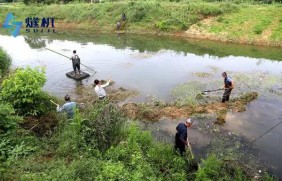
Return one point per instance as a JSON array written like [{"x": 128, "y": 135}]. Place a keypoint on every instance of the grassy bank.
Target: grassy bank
[
  {"x": 227, "y": 22},
  {"x": 251, "y": 24}
]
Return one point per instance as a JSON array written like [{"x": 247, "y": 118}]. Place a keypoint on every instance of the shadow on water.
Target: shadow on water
[{"x": 150, "y": 43}]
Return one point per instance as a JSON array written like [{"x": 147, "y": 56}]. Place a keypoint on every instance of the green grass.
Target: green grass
[
  {"x": 236, "y": 22},
  {"x": 251, "y": 22},
  {"x": 276, "y": 34},
  {"x": 141, "y": 15}
]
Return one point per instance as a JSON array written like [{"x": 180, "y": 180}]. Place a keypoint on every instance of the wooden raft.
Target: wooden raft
[{"x": 81, "y": 76}]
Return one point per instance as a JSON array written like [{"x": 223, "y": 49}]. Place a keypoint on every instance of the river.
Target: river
[{"x": 155, "y": 65}]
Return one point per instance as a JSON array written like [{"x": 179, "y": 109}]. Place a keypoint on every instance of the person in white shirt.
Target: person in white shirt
[{"x": 99, "y": 88}]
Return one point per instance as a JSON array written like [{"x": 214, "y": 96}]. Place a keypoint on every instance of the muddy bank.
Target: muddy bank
[{"x": 156, "y": 111}]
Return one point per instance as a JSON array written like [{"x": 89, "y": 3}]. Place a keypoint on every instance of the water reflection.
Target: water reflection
[
  {"x": 150, "y": 43},
  {"x": 35, "y": 42}
]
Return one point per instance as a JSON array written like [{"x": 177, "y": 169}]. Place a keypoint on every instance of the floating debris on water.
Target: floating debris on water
[{"x": 202, "y": 74}]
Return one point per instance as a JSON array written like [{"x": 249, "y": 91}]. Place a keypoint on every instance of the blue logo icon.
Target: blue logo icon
[{"x": 13, "y": 26}]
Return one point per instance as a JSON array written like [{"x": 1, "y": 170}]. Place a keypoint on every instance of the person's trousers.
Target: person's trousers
[
  {"x": 76, "y": 65},
  {"x": 179, "y": 145},
  {"x": 226, "y": 95}
]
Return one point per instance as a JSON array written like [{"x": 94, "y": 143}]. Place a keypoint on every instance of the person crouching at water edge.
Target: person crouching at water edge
[
  {"x": 99, "y": 88},
  {"x": 228, "y": 86},
  {"x": 181, "y": 139},
  {"x": 69, "y": 107},
  {"x": 75, "y": 62}
]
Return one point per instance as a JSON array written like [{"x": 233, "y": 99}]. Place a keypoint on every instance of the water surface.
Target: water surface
[{"x": 154, "y": 66}]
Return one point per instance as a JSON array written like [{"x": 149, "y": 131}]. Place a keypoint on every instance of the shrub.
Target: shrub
[
  {"x": 215, "y": 169},
  {"x": 23, "y": 90},
  {"x": 162, "y": 25},
  {"x": 138, "y": 14},
  {"x": 8, "y": 120},
  {"x": 103, "y": 127},
  {"x": 5, "y": 62},
  {"x": 10, "y": 152},
  {"x": 262, "y": 25},
  {"x": 145, "y": 159},
  {"x": 171, "y": 24},
  {"x": 69, "y": 138}
]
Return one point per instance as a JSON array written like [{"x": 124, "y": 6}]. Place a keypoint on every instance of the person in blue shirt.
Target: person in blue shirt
[
  {"x": 69, "y": 107},
  {"x": 181, "y": 139},
  {"x": 228, "y": 86}
]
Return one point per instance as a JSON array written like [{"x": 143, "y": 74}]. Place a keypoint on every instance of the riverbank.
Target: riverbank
[{"x": 223, "y": 22}]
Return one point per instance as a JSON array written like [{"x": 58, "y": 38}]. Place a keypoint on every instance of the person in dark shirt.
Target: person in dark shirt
[
  {"x": 123, "y": 17},
  {"x": 75, "y": 62},
  {"x": 228, "y": 86},
  {"x": 181, "y": 136}
]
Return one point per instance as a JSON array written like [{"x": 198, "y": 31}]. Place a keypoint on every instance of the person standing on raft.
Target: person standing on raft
[{"x": 75, "y": 62}]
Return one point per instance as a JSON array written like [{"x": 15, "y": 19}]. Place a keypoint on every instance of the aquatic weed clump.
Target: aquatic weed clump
[
  {"x": 267, "y": 85},
  {"x": 261, "y": 84},
  {"x": 186, "y": 93}
]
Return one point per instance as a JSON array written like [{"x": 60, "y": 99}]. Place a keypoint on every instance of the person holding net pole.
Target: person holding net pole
[{"x": 227, "y": 87}]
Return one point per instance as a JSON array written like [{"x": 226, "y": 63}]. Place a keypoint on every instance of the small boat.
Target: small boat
[{"x": 81, "y": 76}]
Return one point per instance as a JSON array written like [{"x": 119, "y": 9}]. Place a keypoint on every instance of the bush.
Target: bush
[
  {"x": 143, "y": 159},
  {"x": 5, "y": 62},
  {"x": 215, "y": 169},
  {"x": 171, "y": 24},
  {"x": 23, "y": 90},
  {"x": 162, "y": 25},
  {"x": 10, "y": 152},
  {"x": 262, "y": 25},
  {"x": 69, "y": 138},
  {"x": 103, "y": 127},
  {"x": 8, "y": 120},
  {"x": 138, "y": 14}
]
